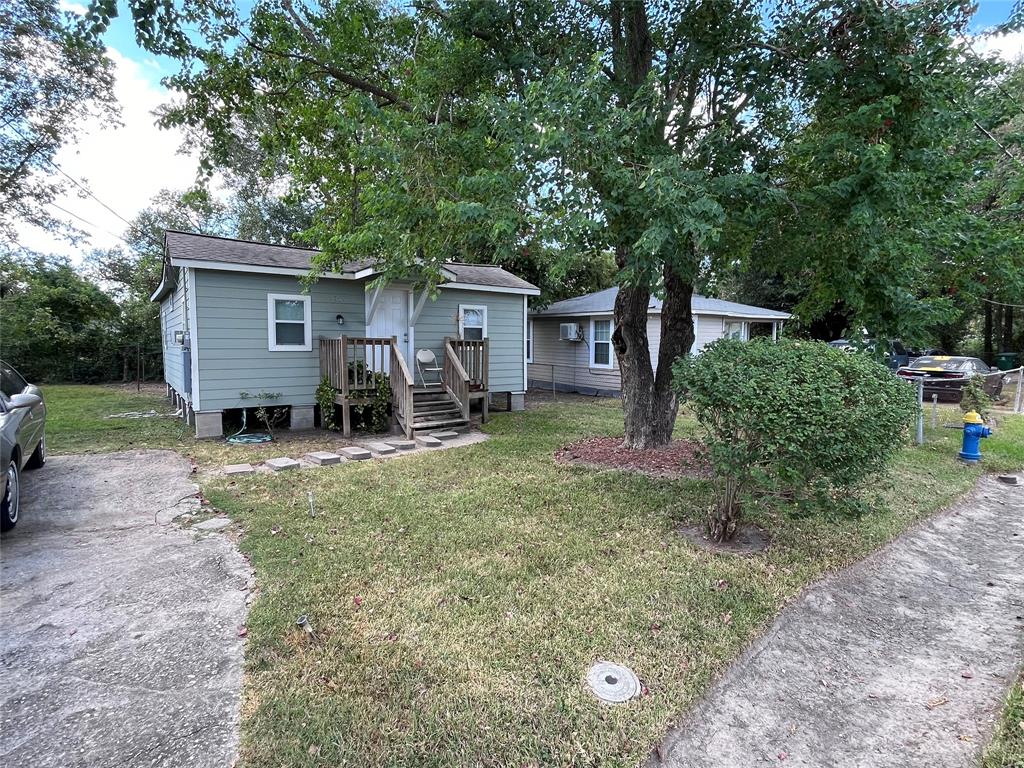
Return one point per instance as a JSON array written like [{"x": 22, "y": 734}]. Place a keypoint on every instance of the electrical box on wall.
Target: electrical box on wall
[
  {"x": 570, "y": 332},
  {"x": 179, "y": 337}
]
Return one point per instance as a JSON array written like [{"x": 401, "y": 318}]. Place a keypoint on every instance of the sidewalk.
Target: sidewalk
[{"x": 902, "y": 660}]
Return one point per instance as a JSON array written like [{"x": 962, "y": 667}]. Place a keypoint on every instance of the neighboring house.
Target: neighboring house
[
  {"x": 569, "y": 343},
  {"x": 235, "y": 319}
]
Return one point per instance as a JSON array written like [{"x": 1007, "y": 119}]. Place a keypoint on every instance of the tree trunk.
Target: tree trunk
[
  {"x": 648, "y": 401},
  {"x": 1007, "y": 329}
]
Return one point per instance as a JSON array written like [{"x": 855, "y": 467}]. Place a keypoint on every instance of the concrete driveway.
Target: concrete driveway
[{"x": 119, "y": 637}]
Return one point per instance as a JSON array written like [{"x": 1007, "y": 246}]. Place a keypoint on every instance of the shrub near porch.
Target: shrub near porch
[{"x": 457, "y": 598}]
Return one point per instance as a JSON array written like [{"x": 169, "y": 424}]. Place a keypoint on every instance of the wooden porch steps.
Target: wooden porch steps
[{"x": 434, "y": 409}]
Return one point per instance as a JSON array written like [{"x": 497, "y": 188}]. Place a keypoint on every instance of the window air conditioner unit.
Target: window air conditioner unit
[{"x": 569, "y": 332}]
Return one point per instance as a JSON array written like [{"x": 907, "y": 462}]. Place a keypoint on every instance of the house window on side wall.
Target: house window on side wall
[
  {"x": 472, "y": 322},
  {"x": 529, "y": 341},
  {"x": 601, "y": 344},
  {"x": 734, "y": 330},
  {"x": 289, "y": 323}
]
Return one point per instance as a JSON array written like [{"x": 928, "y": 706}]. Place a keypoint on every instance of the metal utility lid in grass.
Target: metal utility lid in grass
[{"x": 612, "y": 683}]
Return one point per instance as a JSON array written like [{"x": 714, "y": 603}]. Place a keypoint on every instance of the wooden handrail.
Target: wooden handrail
[
  {"x": 455, "y": 378},
  {"x": 402, "y": 384}
]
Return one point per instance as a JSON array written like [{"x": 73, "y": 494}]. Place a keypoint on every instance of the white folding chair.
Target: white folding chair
[{"x": 426, "y": 362}]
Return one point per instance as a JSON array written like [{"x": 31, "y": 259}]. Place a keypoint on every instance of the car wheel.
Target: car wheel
[
  {"x": 38, "y": 457},
  {"x": 11, "y": 501}
]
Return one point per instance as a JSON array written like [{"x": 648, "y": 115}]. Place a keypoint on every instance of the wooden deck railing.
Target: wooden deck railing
[
  {"x": 475, "y": 359},
  {"x": 455, "y": 378},
  {"x": 402, "y": 384},
  {"x": 349, "y": 363}
]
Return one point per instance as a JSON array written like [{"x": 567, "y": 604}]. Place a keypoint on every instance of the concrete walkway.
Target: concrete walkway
[
  {"x": 902, "y": 660},
  {"x": 119, "y": 631}
]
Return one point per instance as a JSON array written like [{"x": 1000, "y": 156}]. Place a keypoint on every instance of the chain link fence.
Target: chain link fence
[{"x": 93, "y": 365}]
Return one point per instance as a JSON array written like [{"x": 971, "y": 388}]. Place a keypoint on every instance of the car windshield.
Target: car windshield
[{"x": 943, "y": 363}]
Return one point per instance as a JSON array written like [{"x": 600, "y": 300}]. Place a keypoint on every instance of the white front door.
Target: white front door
[{"x": 390, "y": 319}]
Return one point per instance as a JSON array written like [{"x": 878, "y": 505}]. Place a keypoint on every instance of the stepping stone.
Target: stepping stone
[
  {"x": 382, "y": 448},
  {"x": 356, "y": 454},
  {"x": 445, "y": 434},
  {"x": 213, "y": 524},
  {"x": 239, "y": 469},
  {"x": 282, "y": 463},
  {"x": 428, "y": 442},
  {"x": 402, "y": 445},
  {"x": 323, "y": 458}
]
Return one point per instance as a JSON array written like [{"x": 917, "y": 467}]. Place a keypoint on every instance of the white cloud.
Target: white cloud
[
  {"x": 124, "y": 165},
  {"x": 76, "y": 8},
  {"x": 1009, "y": 46}
]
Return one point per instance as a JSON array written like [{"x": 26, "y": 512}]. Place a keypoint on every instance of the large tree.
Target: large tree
[
  {"x": 51, "y": 76},
  {"x": 539, "y": 129}
]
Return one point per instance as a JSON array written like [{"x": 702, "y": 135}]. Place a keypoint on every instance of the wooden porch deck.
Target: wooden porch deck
[{"x": 352, "y": 365}]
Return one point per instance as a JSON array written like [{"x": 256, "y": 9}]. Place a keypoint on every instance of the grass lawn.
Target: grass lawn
[
  {"x": 77, "y": 423},
  {"x": 1007, "y": 747},
  {"x": 457, "y": 598}
]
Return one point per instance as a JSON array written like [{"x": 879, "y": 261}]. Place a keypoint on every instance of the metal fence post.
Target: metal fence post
[
  {"x": 1020, "y": 389},
  {"x": 935, "y": 411},
  {"x": 920, "y": 411}
]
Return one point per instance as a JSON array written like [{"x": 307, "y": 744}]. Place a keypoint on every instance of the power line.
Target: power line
[
  {"x": 93, "y": 225},
  {"x": 87, "y": 191},
  {"x": 1001, "y": 303}
]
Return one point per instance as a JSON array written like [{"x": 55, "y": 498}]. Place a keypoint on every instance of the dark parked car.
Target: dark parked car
[
  {"x": 22, "y": 438},
  {"x": 945, "y": 376}
]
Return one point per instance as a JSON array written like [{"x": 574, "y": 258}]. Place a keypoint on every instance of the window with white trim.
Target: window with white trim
[
  {"x": 600, "y": 343},
  {"x": 734, "y": 330},
  {"x": 529, "y": 341},
  {"x": 472, "y": 322},
  {"x": 289, "y": 323}
]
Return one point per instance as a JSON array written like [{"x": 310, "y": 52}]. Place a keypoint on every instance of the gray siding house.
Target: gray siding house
[
  {"x": 569, "y": 342},
  {"x": 236, "y": 319}
]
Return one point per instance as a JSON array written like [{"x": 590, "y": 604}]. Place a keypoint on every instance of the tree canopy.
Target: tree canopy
[{"x": 51, "y": 76}]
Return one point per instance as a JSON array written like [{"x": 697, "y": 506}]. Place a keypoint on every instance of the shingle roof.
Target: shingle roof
[
  {"x": 486, "y": 274},
  {"x": 209, "y": 248},
  {"x": 603, "y": 302}
]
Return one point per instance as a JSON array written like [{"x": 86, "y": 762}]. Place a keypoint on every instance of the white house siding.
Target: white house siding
[
  {"x": 654, "y": 338},
  {"x": 172, "y": 319},
  {"x": 231, "y": 319},
  {"x": 709, "y": 328},
  {"x": 568, "y": 362},
  {"x": 505, "y": 315}
]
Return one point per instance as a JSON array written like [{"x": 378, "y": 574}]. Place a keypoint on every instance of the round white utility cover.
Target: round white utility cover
[{"x": 612, "y": 683}]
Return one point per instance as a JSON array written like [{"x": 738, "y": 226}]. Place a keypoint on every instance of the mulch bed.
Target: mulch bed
[{"x": 680, "y": 458}]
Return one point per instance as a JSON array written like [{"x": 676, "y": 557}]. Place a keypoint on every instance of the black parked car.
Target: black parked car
[
  {"x": 22, "y": 438},
  {"x": 945, "y": 376}
]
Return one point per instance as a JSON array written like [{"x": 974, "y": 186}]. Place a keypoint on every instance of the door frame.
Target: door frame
[{"x": 408, "y": 347}]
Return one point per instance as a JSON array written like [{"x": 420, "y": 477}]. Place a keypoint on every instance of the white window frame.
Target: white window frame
[
  {"x": 594, "y": 342},
  {"x": 482, "y": 308},
  {"x": 529, "y": 341},
  {"x": 307, "y": 323},
  {"x": 744, "y": 333}
]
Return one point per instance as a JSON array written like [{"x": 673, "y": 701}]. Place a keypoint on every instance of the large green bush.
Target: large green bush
[{"x": 794, "y": 417}]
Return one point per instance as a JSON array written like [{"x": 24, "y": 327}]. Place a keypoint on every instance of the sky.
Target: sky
[{"x": 126, "y": 165}]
